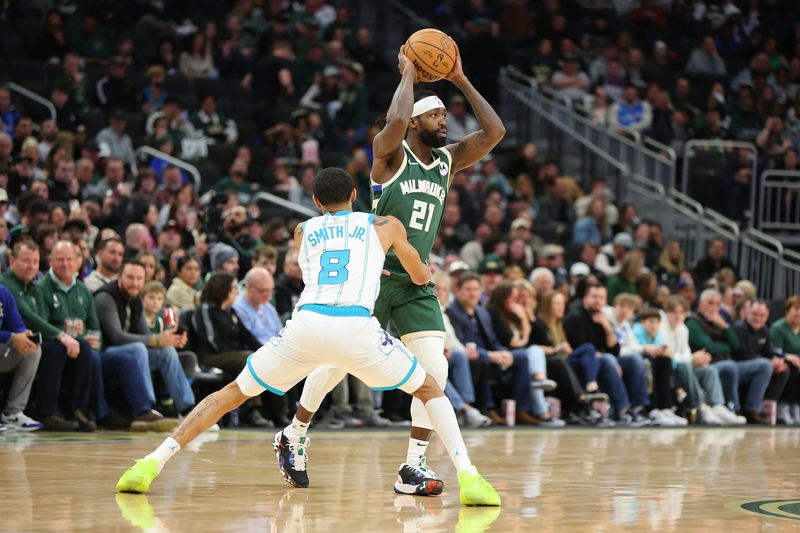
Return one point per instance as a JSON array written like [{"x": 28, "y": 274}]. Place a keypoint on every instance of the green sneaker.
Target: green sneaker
[
  {"x": 475, "y": 490},
  {"x": 137, "y": 478}
]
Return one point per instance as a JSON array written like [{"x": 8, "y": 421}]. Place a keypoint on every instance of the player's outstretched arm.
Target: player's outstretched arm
[
  {"x": 388, "y": 140},
  {"x": 392, "y": 234},
  {"x": 476, "y": 145}
]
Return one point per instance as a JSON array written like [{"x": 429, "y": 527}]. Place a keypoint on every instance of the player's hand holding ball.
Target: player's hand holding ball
[
  {"x": 404, "y": 65},
  {"x": 434, "y": 54}
]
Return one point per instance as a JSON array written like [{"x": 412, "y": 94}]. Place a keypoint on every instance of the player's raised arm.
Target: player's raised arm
[
  {"x": 388, "y": 140},
  {"x": 392, "y": 234},
  {"x": 476, "y": 145}
]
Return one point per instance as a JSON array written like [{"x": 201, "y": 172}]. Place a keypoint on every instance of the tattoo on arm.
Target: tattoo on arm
[{"x": 380, "y": 221}]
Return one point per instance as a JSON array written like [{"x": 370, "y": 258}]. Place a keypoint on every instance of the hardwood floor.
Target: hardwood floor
[{"x": 571, "y": 480}]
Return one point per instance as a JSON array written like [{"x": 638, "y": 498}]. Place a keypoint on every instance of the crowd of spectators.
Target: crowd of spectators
[
  {"x": 670, "y": 70},
  {"x": 124, "y": 282}
]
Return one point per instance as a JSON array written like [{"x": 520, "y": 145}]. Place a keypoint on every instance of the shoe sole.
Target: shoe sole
[
  {"x": 286, "y": 477},
  {"x": 20, "y": 428},
  {"x": 429, "y": 487}
]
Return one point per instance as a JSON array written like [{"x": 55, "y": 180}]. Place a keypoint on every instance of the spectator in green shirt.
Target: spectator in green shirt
[
  {"x": 709, "y": 331},
  {"x": 64, "y": 358},
  {"x": 625, "y": 280},
  {"x": 785, "y": 336}
]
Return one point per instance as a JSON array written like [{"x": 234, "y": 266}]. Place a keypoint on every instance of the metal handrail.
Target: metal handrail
[
  {"x": 608, "y": 158},
  {"x": 773, "y": 178},
  {"x": 641, "y": 183},
  {"x": 620, "y": 132},
  {"x": 658, "y": 148},
  {"x": 27, "y": 93},
  {"x": 282, "y": 202},
  {"x": 791, "y": 259},
  {"x": 721, "y": 224},
  {"x": 761, "y": 242},
  {"x": 180, "y": 163},
  {"x": 715, "y": 143},
  {"x": 412, "y": 15},
  {"x": 685, "y": 204}
]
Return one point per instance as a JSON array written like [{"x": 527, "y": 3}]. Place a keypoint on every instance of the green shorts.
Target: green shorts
[{"x": 413, "y": 309}]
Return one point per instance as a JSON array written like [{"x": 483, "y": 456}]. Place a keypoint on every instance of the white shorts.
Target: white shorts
[{"x": 354, "y": 343}]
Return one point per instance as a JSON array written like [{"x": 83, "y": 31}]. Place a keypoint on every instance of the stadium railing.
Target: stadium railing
[
  {"x": 779, "y": 204},
  {"x": 30, "y": 95},
  {"x": 145, "y": 152},
  {"x": 644, "y": 172}
]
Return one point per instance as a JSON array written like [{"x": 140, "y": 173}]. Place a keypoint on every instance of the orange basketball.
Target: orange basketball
[{"x": 433, "y": 52}]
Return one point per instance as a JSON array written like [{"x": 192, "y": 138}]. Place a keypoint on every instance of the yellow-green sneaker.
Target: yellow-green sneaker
[
  {"x": 475, "y": 490},
  {"x": 137, "y": 478}
]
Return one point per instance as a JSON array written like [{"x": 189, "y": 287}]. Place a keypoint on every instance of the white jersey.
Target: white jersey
[{"x": 342, "y": 260}]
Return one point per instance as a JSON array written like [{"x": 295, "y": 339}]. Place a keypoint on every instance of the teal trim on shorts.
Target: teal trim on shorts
[
  {"x": 259, "y": 380},
  {"x": 408, "y": 376},
  {"x": 337, "y": 310}
]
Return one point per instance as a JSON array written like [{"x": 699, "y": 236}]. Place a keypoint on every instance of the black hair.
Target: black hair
[
  {"x": 467, "y": 276},
  {"x": 333, "y": 185},
  {"x": 217, "y": 288},
  {"x": 183, "y": 261},
  {"x": 647, "y": 314},
  {"x": 36, "y": 206},
  {"x": 102, "y": 245},
  {"x": 135, "y": 262},
  {"x": 422, "y": 93}
]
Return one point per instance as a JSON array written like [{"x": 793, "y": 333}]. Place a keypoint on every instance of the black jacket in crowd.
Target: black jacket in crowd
[
  {"x": 580, "y": 329},
  {"x": 220, "y": 331},
  {"x": 755, "y": 343}
]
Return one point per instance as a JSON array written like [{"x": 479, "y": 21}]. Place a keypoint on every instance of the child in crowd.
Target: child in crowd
[
  {"x": 153, "y": 296},
  {"x": 646, "y": 334}
]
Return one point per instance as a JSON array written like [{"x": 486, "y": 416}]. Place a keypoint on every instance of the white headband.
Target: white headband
[{"x": 426, "y": 104}]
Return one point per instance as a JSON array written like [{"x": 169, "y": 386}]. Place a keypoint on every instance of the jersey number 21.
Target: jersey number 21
[{"x": 422, "y": 214}]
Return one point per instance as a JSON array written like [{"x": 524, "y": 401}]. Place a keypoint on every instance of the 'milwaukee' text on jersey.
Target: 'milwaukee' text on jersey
[{"x": 424, "y": 187}]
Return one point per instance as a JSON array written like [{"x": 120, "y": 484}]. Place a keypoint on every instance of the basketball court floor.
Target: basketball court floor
[{"x": 708, "y": 480}]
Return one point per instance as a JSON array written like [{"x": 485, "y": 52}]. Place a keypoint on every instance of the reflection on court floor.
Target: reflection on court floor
[{"x": 738, "y": 479}]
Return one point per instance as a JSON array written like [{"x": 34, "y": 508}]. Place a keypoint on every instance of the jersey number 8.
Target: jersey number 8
[{"x": 334, "y": 267}]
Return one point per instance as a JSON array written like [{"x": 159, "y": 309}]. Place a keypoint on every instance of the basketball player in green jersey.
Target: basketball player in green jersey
[{"x": 411, "y": 174}]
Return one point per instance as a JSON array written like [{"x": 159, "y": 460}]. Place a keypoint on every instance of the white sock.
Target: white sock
[
  {"x": 445, "y": 424},
  {"x": 416, "y": 450},
  {"x": 296, "y": 429},
  {"x": 164, "y": 452}
]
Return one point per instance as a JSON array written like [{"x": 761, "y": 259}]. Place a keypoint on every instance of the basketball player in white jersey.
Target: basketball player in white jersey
[{"x": 341, "y": 256}]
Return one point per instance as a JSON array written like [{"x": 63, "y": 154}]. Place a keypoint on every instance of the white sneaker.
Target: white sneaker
[
  {"x": 475, "y": 419},
  {"x": 796, "y": 413},
  {"x": 660, "y": 419},
  {"x": 708, "y": 417},
  {"x": 785, "y": 414},
  {"x": 728, "y": 418},
  {"x": 21, "y": 422},
  {"x": 676, "y": 420}
]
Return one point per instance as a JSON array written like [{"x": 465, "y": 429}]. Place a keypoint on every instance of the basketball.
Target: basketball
[{"x": 432, "y": 52}]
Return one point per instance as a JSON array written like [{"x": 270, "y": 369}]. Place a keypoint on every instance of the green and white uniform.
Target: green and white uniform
[{"x": 416, "y": 196}]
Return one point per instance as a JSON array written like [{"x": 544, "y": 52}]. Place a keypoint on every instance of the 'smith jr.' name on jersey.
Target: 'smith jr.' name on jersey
[
  {"x": 337, "y": 232},
  {"x": 424, "y": 187}
]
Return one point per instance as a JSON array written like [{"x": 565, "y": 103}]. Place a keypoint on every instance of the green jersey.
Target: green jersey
[{"x": 416, "y": 196}]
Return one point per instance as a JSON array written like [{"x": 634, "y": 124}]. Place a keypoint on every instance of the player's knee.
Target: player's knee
[
  {"x": 428, "y": 390},
  {"x": 232, "y": 396}
]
